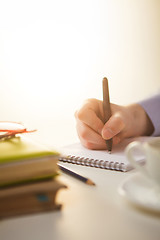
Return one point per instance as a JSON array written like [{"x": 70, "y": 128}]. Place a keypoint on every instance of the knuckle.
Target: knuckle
[
  {"x": 91, "y": 101},
  {"x": 118, "y": 117},
  {"x": 80, "y": 115},
  {"x": 89, "y": 145},
  {"x": 84, "y": 134}
]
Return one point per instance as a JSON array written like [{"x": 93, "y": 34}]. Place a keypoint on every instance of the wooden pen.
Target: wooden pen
[{"x": 106, "y": 109}]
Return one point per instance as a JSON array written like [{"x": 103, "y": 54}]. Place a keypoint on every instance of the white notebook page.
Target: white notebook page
[{"x": 116, "y": 160}]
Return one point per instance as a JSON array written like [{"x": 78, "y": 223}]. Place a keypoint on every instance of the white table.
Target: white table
[{"x": 88, "y": 212}]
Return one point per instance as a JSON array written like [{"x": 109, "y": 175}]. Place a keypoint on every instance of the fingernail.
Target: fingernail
[{"x": 107, "y": 133}]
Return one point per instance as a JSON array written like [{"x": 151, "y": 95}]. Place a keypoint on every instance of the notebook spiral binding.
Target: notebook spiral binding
[{"x": 90, "y": 162}]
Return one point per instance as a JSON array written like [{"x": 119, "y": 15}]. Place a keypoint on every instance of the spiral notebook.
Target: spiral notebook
[{"x": 117, "y": 160}]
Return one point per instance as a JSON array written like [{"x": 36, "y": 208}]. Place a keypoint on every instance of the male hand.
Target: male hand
[{"x": 126, "y": 121}]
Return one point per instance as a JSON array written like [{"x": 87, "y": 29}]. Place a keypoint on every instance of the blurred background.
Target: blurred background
[{"x": 54, "y": 54}]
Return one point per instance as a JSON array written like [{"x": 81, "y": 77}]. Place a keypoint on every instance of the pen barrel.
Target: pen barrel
[
  {"x": 73, "y": 174},
  {"x": 106, "y": 109},
  {"x": 106, "y": 101}
]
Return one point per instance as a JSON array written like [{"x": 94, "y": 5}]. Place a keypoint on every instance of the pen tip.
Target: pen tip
[{"x": 109, "y": 152}]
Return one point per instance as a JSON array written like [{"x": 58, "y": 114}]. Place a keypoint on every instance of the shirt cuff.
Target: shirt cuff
[{"x": 152, "y": 108}]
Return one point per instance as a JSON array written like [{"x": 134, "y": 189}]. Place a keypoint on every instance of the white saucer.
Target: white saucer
[{"x": 140, "y": 191}]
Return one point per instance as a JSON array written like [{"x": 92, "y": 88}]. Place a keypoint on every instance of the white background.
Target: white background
[{"x": 54, "y": 54}]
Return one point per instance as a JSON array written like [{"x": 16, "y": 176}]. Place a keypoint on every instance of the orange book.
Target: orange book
[{"x": 29, "y": 198}]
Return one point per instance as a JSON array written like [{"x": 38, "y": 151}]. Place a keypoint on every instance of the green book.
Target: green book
[{"x": 23, "y": 160}]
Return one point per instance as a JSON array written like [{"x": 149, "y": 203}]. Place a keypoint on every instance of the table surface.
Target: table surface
[{"x": 88, "y": 212}]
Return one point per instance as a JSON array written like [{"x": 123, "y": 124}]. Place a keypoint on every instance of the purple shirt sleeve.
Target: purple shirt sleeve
[{"x": 152, "y": 108}]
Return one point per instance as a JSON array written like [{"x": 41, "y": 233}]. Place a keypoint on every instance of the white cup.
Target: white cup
[{"x": 151, "y": 151}]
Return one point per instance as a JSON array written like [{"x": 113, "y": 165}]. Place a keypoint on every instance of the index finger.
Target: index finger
[{"x": 89, "y": 117}]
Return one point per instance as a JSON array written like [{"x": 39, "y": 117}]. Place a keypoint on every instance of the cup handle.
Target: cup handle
[{"x": 130, "y": 155}]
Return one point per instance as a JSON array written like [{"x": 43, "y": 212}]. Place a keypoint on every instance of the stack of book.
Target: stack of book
[{"x": 28, "y": 177}]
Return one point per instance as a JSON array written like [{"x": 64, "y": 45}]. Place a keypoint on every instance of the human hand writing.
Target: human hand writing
[{"x": 126, "y": 121}]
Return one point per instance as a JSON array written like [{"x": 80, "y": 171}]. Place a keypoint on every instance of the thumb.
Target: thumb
[{"x": 113, "y": 126}]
